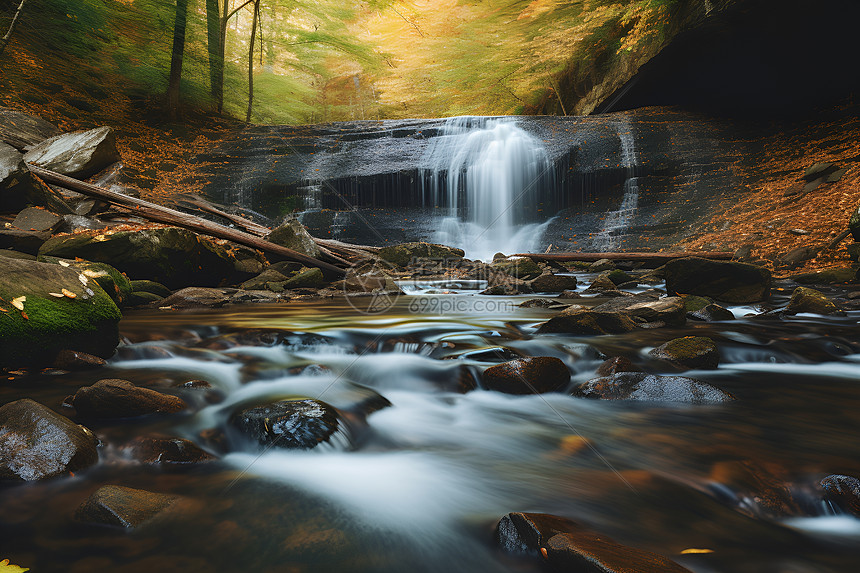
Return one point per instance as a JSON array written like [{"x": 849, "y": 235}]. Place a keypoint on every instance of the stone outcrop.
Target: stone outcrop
[{"x": 78, "y": 154}]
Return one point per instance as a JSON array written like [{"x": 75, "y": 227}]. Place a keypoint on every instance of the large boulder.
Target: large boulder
[
  {"x": 289, "y": 424},
  {"x": 549, "y": 282},
  {"x": 172, "y": 256},
  {"x": 77, "y": 154},
  {"x": 532, "y": 375},
  {"x": 578, "y": 320},
  {"x": 522, "y": 268},
  {"x": 293, "y": 235},
  {"x": 568, "y": 546},
  {"x": 49, "y": 308},
  {"x": 651, "y": 388},
  {"x": 123, "y": 507},
  {"x": 23, "y": 131},
  {"x": 114, "y": 399},
  {"x": 668, "y": 310},
  {"x": 17, "y": 187},
  {"x": 404, "y": 254},
  {"x": 37, "y": 443},
  {"x": 113, "y": 282},
  {"x": 726, "y": 281}
]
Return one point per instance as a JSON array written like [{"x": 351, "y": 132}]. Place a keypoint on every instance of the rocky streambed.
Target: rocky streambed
[{"x": 625, "y": 422}]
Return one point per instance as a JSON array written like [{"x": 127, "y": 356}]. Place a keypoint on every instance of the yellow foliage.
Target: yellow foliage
[{"x": 6, "y": 567}]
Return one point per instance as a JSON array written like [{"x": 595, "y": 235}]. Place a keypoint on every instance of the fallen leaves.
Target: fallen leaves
[
  {"x": 19, "y": 302},
  {"x": 68, "y": 293},
  {"x": 6, "y": 567}
]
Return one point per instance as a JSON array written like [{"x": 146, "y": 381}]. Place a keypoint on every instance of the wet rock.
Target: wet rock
[
  {"x": 406, "y": 253},
  {"x": 725, "y": 281},
  {"x": 265, "y": 279},
  {"x": 692, "y": 303},
  {"x": 569, "y": 294},
  {"x": 75, "y": 223},
  {"x": 172, "y": 256},
  {"x": 756, "y": 489},
  {"x": 689, "y": 352},
  {"x": 124, "y": 507},
  {"x": 22, "y": 131},
  {"x": 542, "y": 303},
  {"x": 599, "y": 285},
  {"x": 293, "y": 235},
  {"x": 10, "y": 254},
  {"x": 615, "y": 365},
  {"x": 521, "y": 268},
  {"x": 17, "y": 186},
  {"x": 25, "y": 241},
  {"x": 587, "y": 322},
  {"x": 142, "y": 299},
  {"x": 711, "y": 313},
  {"x": 113, "y": 398},
  {"x": 799, "y": 255},
  {"x": 568, "y": 546},
  {"x": 45, "y": 324},
  {"x": 531, "y": 375},
  {"x": 669, "y": 310},
  {"x": 509, "y": 288},
  {"x": 153, "y": 287},
  {"x": 651, "y": 388},
  {"x": 306, "y": 278},
  {"x": 807, "y": 300},
  {"x": 288, "y": 424},
  {"x": 74, "y": 360},
  {"x": 843, "y": 492},
  {"x": 549, "y": 282},
  {"x": 37, "y": 443},
  {"x": 77, "y": 154},
  {"x": 196, "y": 297},
  {"x": 171, "y": 452},
  {"x": 619, "y": 277},
  {"x": 37, "y": 219}
]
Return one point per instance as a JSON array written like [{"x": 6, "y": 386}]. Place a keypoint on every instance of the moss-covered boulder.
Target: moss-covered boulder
[
  {"x": 152, "y": 287},
  {"x": 725, "y": 281},
  {"x": 172, "y": 256},
  {"x": 689, "y": 352},
  {"x": 293, "y": 235},
  {"x": 805, "y": 299},
  {"x": 306, "y": 278},
  {"x": 404, "y": 254},
  {"x": 113, "y": 282},
  {"x": 577, "y": 320},
  {"x": 522, "y": 268},
  {"x": 48, "y": 308}
]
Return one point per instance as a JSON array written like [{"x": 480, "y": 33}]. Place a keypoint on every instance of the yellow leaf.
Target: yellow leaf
[
  {"x": 69, "y": 293},
  {"x": 57, "y": 294},
  {"x": 5, "y": 567},
  {"x": 63, "y": 263},
  {"x": 694, "y": 550},
  {"x": 19, "y": 302}
]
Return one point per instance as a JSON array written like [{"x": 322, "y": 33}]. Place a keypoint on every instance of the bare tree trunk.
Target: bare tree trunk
[
  {"x": 8, "y": 36},
  {"x": 213, "y": 41},
  {"x": 251, "y": 60},
  {"x": 176, "y": 58}
]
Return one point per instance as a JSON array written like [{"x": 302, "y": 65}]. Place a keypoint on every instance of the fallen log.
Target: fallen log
[
  {"x": 159, "y": 214},
  {"x": 193, "y": 201},
  {"x": 591, "y": 257}
]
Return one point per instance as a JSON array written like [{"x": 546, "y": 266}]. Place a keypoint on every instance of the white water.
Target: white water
[
  {"x": 617, "y": 222},
  {"x": 487, "y": 172}
]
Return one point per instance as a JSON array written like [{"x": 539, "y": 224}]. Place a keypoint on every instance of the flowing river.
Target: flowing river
[{"x": 419, "y": 485}]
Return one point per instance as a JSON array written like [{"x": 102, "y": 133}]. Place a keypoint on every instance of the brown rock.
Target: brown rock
[
  {"x": 615, "y": 365},
  {"x": 196, "y": 297},
  {"x": 651, "y": 388},
  {"x": 805, "y": 299},
  {"x": 37, "y": 443},
  {"x": 531, "y": 375},
  {"x": 167, "y": 452},
  {"x": 122, "y": 506},
  {"x": 108, "y": 399},
  {"x": 74, "y": 360},
  {"x": 549, "y": 282}
]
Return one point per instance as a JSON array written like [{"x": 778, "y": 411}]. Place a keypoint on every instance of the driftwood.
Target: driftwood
[
  {"x": 159, "y": 214},
  {"x": 591, "y": 257},
  {"x": 838, "y": 239}
]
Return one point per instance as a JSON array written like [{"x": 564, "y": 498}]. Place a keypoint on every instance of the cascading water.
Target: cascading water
[
  {"x": 487, "y": 173},
  {"x": 617, "y": 222}
]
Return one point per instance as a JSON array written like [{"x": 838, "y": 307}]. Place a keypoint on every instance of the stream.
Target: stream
[{"x": 421, "y": 484}]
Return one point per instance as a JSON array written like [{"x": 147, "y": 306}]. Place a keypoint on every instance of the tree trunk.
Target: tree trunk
[
  {"x": 251, "y": 60},
  {"x": 176, "y": 59},
  {"x": 8, "y": 36},
  {"x": 213, "y": 39}
]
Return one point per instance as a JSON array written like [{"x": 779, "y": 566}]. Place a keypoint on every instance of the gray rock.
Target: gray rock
[
  {"x": 77, "y": 154},
  {"x": 549, "y": 282},
  {"x": 711, "y": 313},
  {"x": 37, "y": 219},
  {"x": 578, "y": 320},
  {"x": 37, "y": 443},
  {"x": 640, "y": 386},
  {"x": 22, "y": 131},
  {"x": 293, "y": 235},
  {"x": 289, "y": 424},
  {"x": 196, "y": 297}
]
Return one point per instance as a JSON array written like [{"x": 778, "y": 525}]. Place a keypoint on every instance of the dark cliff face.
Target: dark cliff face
[{"x": 760, "y": 58}]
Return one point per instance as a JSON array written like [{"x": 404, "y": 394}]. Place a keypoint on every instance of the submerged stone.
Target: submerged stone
[
  {"x": 123, "y": 507},
  {"x": 112, "y": 398},
  {"x": 288, "y": 424}
]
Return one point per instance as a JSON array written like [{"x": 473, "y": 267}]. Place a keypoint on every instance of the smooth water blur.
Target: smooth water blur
[{"x": 420, "y": 485}]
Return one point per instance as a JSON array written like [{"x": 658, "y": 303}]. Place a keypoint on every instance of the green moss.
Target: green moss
[{"x": 113, "y": 282}]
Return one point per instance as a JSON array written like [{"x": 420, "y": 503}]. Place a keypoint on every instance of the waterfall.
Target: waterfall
[
  {"x": 486, "y": 175},
  {"x": 616, "y": 223}
]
